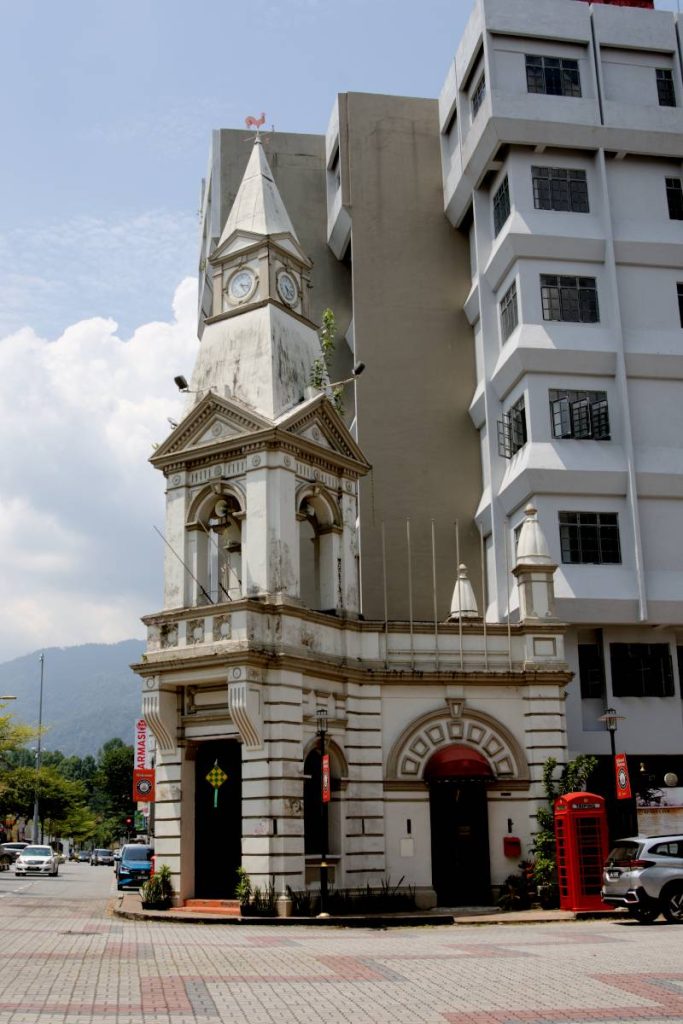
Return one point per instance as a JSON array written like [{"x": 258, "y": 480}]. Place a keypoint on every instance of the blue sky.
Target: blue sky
[{"x": 106, "y": 112}]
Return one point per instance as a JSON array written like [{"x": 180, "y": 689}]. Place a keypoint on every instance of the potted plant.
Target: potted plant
[{"x": 157, "y": 892}]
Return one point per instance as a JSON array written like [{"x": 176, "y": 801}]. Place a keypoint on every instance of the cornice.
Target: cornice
[{"x": 268, "y": 439}]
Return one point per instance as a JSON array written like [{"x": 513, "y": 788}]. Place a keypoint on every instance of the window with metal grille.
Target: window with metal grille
[
  {"x": 560, "y": 188},
  {"x": 554, "y": 76},
  {"x": 508, "y": 311},
  {"x": 512, "y": 430},
  {"x": 641, "y": 670},
  {"x": 582, "y": 415},
  {"x": 589, "y": 538},
  {"x": 501, "y": 206},
  {"x": 674, "y": 198},
  {"x": 665, "y": 87},
  {"x": 573, "y": 299},
  {"x": 478, "y": 96}
]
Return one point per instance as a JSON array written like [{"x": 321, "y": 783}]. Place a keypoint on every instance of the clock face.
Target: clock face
[
  {"x": 287, "y": 288},
  {"x": 241, "y": 285}
]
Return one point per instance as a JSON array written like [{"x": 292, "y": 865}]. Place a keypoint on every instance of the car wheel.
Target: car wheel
[
  {"x": 646, "y": 913},
  {"x": 672, "y": 904}
]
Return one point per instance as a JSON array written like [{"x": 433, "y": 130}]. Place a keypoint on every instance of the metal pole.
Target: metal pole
[
  {"x": 36, "y": 801},
  {"x": 436, "y": 622},
  {"x": 484, "y": 604},
  {"x": 386, "y": 604},
  {"x": 459, "y": 585},
  {"x": 410, "y": 596}
]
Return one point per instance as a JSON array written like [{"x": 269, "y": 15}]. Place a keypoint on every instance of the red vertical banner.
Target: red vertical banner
[
  {"x": 622, "y": 779},
  {"x": 325, "y": 778}
]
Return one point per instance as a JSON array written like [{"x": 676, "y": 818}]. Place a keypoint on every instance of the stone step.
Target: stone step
[{"x": 228, "y": 907}]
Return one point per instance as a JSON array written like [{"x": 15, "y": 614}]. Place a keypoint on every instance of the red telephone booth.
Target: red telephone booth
[{"x": 581, "y": 842}]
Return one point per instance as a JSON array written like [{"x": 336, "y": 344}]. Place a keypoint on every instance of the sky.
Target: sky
[{"x": 106, "y": 112}]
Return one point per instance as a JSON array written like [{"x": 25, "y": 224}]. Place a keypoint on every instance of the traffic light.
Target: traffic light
[{"x": 129, "y": 822}]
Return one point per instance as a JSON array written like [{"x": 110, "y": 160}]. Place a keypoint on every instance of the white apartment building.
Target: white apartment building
[{"x": 562, "y": 141}]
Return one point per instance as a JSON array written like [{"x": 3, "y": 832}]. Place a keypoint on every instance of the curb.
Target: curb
[{"x": 414, "y": 920}]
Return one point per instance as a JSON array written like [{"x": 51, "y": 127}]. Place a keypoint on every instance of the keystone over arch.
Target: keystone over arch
[{"x": 439, "y": 729}]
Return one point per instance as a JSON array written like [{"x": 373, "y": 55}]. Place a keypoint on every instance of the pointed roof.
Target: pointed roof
[{"x": 258, "y": 207}]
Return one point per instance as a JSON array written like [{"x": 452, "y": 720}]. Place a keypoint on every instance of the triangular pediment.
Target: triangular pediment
[
  {"x": 318, "y": 423},
  {"x": 212, "y": 421},
  {"x": 240, "y": 241}
]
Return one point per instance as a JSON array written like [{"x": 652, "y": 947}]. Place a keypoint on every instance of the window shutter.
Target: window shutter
[
  {"x": 600, "y": 420},
  {"x": 581, "y": 418},
  {"x": 505, "y": 437},
  {"x": 562, "y": 423}
]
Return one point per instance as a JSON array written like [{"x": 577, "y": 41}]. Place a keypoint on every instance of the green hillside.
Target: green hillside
[{"x": 89, "y": 694}]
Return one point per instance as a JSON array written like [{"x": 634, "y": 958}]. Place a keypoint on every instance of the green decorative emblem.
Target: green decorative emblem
[{"x": 216, "y": 778}]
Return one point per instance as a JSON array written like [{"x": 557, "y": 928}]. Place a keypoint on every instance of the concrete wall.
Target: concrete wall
[{"x": 410, "y": 274}]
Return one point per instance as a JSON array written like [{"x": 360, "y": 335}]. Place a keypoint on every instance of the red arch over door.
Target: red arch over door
[{"x": 457, "y": 762}]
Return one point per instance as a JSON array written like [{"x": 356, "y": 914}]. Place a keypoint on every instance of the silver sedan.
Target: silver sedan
[{"x": 37, "y": 860}]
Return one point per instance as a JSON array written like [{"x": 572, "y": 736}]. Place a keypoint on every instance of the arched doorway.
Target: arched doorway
[
  {"x": 457, "y": 777},
  {"x": 218, "y": 820}
]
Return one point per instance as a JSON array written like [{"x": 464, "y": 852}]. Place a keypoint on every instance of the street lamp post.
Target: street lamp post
[
  {"x": 321, "y": 716},
  {"x": 611, "y": 720},
  {"x": 616, "y": 814},
  {"x": 36, "y": 801}
]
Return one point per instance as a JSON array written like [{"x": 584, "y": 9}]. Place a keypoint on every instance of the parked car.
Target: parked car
[
  {"x": 645, "y": 875},
  {"x": 135, "y": 866},
  {"x": 14, "y": 849},
  {"x": 102, "y": 857},
  {"x": 37, "y": 860}
]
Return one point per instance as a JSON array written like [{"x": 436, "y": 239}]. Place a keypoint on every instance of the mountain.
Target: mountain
[{"x": 90, "y": 694}]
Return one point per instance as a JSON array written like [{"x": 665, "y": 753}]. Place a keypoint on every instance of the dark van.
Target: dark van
[{"x": 134, "y": 867}]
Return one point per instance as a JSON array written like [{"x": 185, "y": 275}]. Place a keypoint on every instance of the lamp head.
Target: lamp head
[{"x": 181, "y": 383}]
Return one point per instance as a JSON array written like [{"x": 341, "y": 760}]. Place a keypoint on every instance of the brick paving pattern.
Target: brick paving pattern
[{"x": 68, "y": 961}]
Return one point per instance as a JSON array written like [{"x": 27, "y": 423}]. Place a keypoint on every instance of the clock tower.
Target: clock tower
[{"x": 258, "y": 345}]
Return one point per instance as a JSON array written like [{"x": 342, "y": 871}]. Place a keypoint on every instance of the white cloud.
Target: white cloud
[
  {"x": 79, "y": 560},
  {"x": 89, "y": 264}
]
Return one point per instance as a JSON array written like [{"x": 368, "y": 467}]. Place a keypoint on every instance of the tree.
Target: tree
[
  {"x": 58, "y": 796},
  {"x": 13, "y": 736},
  {"x": 113, "y": 784}
]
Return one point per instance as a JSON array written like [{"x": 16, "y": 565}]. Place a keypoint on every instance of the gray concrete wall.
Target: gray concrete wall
[{"x": 410, "y": 272}]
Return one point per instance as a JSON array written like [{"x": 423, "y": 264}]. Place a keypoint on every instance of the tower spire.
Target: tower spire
[{"x": 258, "y": 207}]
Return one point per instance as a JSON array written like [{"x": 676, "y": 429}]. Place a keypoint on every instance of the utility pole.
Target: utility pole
[{"x": 36, "y": 801}]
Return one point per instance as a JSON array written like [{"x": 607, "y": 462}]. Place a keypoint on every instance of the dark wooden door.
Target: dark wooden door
[
  {"x": 460, "y": 843},
  {"x": 218, "y": 823}
]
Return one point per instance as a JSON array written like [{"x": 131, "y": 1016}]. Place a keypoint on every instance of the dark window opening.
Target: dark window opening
[
  {"x": 589, "y": 538},
  {"x": 512, "y": 430},
  {"x": 674, "y": 198},
  {"x": 579, "y": 414},
  {"x": 592, "y": 668},
  {"x": 641, "y": 670},
  {"x": 571, "y": 299},
  {"x": 665, "y": 87},
  {"x": 501, "y": 206},
  {"x": 508, "y": 311},
  {"x": 478, "y": 96},
  {"x": 554, "y": 76},
  {"x": 560, "y": 188}
]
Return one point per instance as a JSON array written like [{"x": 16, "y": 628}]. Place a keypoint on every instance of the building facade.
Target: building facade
[
  {"x": 562, "y": 142},
  {"x": 507, "y": 263},
  {"x": 435, "y": 731}
]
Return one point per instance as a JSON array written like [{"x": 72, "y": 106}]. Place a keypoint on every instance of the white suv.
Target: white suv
[{"x": 645, "y": 875}]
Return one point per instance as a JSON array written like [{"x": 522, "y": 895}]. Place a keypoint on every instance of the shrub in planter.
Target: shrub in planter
[{"x": 157, "y": 892}]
